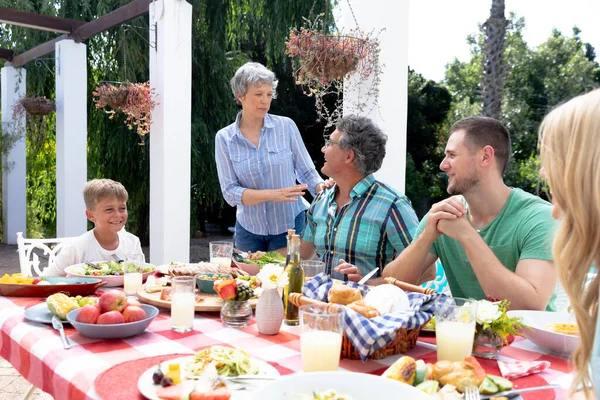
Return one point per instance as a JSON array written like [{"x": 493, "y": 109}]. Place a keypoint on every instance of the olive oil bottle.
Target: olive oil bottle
[
  {"x": 290, "y": 233},
  {"x": 296, "y": 280}
]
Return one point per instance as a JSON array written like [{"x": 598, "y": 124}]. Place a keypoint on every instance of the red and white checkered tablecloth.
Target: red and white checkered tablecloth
[{"x": 36, "y": 351}]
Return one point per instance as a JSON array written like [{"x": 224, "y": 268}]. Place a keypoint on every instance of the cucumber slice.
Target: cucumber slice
[
  {"x": 429, "y": 387},
  {"x": 502, "y": 383},
  {"x": 488, "y": 386},
  {"x": 420, "y": 373}
]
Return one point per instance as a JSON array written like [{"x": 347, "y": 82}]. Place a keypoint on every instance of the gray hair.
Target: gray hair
[
  {"x": 366, "y": 139},
  {"x": 252, "y": 73}
]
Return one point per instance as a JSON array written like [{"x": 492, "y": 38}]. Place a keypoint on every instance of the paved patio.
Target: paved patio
[{"x": 12, "y": 385}]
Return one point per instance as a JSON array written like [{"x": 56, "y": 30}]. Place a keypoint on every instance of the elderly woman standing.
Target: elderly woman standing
[
  {"x": 570, "y": 157},
  {"x": 259, "y": 158}
]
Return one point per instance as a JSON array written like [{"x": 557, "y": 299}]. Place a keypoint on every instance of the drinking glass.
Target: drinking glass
[
  {"x": 183, "y": 301},
  {"x": 455, "y": 320},
  {"x": 132, "y": 273},
  {"x": 220, "y": 253},
  {"x": 321, "y": 338},
  {"x": 312, "y": 268}
]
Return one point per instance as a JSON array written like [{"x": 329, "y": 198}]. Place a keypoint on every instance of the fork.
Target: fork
[{"x": 472, "y": 393}]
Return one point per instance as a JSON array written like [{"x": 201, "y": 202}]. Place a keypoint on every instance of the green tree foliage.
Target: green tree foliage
[
  {"x": 428, "y": 107},
  {"x": 225, "y": 34},
  {"x": 538, "y": 79}
]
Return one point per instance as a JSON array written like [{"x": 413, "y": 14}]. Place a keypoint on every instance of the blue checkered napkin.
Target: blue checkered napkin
[{"x": 370, "y": 335}]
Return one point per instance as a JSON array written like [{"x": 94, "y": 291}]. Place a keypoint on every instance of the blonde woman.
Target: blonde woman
[{"x": 570, "y": 156}]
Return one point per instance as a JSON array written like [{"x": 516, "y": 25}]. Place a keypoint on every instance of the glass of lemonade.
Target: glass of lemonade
[
  {"x": 455, "y": 320},
  {"x": 220, "y": 253},
  {"x": 321, "y": 338},
  {"x": 132, "y": 273},
  {"x": 183, "y": 301}
]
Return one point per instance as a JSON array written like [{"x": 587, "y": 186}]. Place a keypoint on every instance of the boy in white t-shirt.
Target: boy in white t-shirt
[{"x": 106, "y": 206}]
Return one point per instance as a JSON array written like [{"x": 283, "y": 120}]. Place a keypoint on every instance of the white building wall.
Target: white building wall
[
  {"x": 170, "y": 132},
  {"x": 390, "y": 116},
  {"x": 14, "y": 198}
]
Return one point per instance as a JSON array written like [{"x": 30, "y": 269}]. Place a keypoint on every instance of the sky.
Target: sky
[{"x": 438, "y": 29}]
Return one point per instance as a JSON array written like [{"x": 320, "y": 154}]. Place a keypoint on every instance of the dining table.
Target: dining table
[{"x": 36, "y": 351}]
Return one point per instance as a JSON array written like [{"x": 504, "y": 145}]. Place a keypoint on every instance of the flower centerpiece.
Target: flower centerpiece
[
  {"x": 135, "y": 100},
  {"x": 269, "y": 310},
  {"x": 493, "y": 327},
  {"x": 236, "y": 312}
]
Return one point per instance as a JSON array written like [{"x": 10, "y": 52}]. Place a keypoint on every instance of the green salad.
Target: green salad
[
  {"x": 271, "y": 257},
  {"x": 107, "y": 268}
]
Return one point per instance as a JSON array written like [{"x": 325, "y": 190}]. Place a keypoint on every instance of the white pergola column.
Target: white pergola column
[
  {"x": 14, "y": 197},
  {"x": 170, "y": 132},
  {"x": 373, "y": 15},
  {"x": 71, "y": 137}
]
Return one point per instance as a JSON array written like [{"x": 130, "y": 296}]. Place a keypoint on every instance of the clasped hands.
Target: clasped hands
[{"x": 448, "y": 217}]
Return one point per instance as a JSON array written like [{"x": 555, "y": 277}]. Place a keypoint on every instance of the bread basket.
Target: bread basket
[{"x": 405, "y": 339}]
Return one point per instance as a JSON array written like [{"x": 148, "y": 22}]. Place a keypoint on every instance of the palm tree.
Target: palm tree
[{"x": 493, "y": 60}]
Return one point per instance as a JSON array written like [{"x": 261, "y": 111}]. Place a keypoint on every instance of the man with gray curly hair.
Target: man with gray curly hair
[{"x": 360, "y": 223}]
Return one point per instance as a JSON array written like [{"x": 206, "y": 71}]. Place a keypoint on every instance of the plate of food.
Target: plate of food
[
  {"x": 254, "y": 261},
  {"x": 555, "y": 332},
  {"x": 202, "y": 374},
  {"x": 16, "y": 285},
  {"x": 110, "y": 272},
  {"x": 344, "y": 385},
  {"x": 57, "y": 304}
]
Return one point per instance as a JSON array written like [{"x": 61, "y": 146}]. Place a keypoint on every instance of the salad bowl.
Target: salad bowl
[{"x": 110, "y": 272}]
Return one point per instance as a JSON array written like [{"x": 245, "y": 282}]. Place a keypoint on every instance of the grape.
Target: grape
[
  {"x": 158, "y": 376},
  {"x": 166, "y": 381}
]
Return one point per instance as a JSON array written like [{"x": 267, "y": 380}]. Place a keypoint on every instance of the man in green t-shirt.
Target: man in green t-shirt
[{"x": 493, "y": 240}]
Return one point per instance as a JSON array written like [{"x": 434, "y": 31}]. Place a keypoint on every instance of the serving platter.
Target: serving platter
[
  {"x": 73, "y": 286},
  {"x": 204, "y": 302}
]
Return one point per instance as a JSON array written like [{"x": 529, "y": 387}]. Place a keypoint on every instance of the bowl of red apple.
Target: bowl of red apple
[{"x": 113, "y": 317}]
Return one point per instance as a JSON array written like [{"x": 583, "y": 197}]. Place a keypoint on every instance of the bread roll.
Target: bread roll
[
  {"x": 363, "y": 309},
  {"x": 343, "y": 295}
]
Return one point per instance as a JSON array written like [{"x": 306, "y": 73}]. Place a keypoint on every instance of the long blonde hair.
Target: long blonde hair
[{"x": 570, "y": 156}]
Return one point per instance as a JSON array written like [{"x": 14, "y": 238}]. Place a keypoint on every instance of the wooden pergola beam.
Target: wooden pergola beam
[
  {"x": 89, "y": 29},
  {"x": 38, "y": 21},
  {"x": 6, "y": 54}
]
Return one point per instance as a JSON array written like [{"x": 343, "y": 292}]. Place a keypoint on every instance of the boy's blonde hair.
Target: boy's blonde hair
[
  {"x": 98, "y": 189},
  {"x": 570, "y": 155}
]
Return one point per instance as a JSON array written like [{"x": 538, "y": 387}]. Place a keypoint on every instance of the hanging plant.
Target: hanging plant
[
  {"x": 37, "y": 105},
  {"x": 132, "y": 99},
  {"x": 322, "y": 61},
  {"x": 37, "y": 112}
]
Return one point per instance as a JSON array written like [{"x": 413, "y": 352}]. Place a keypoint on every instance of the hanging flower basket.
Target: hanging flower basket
[
  {"x": 36, "y": 105},
  {"x": 325, "y": 57},
  {"x": 132, "y": 99},
  {"x": 322, "y": 60}
]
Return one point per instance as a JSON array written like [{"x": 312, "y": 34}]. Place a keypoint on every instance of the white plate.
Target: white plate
[
  {"x": 147, "y": 387},
  {"x": 111, "y": 280},
  {"x": 553, "y": 342},
  {"x": 358, "y": 386}
]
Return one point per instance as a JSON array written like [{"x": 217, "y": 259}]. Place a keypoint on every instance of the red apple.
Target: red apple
[
  {"x": 88, "y": 314},
  {"x": 112, "y": 300},
  {"x": 134, "y": 313},
  {"x": 111, "y": 317},
  {"x": 132, "y": 302}
]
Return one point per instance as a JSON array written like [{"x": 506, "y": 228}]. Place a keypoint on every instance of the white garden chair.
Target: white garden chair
[{"x": 29, "y": 250}]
